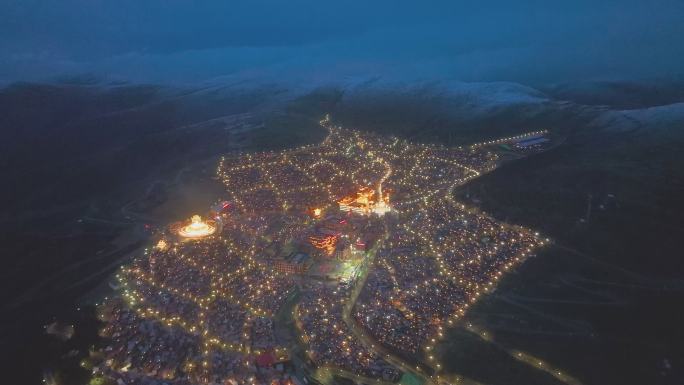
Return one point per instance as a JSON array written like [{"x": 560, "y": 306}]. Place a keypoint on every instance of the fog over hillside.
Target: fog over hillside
[{"x": 530, "y": 42}]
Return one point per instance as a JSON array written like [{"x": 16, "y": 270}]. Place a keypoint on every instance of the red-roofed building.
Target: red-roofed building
[{"x": 265, "y": 360}]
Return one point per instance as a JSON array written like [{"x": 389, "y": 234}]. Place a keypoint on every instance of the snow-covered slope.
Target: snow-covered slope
[{"x": 667, "y": 117}]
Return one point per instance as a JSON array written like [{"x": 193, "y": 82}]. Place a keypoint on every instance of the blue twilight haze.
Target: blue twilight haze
[{"x": 175, "y": 41}]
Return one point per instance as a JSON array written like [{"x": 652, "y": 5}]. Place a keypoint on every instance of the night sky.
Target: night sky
[{"x": 173, "y": 41}]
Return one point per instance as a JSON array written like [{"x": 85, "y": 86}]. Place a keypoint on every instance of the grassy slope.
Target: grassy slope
[{"x": 602, "y": 304}]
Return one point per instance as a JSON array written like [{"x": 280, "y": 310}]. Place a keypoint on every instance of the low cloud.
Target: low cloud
[{"x": 530, "y": 42}]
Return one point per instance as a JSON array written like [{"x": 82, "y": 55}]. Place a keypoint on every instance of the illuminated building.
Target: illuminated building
[
  {"x": 365, "y": 202},
  {"x": 381, "y": 208},
  {"x": 162, "y": 245},
  {"x": 325, "y": 242},
  {"x": 197, "y": 228}
]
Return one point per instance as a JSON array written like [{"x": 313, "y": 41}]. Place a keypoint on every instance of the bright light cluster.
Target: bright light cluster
[
  {"x": 327, "y": 243},
  {"x": 365, "y": 201},
  {"x": 197, "y": 228}
]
